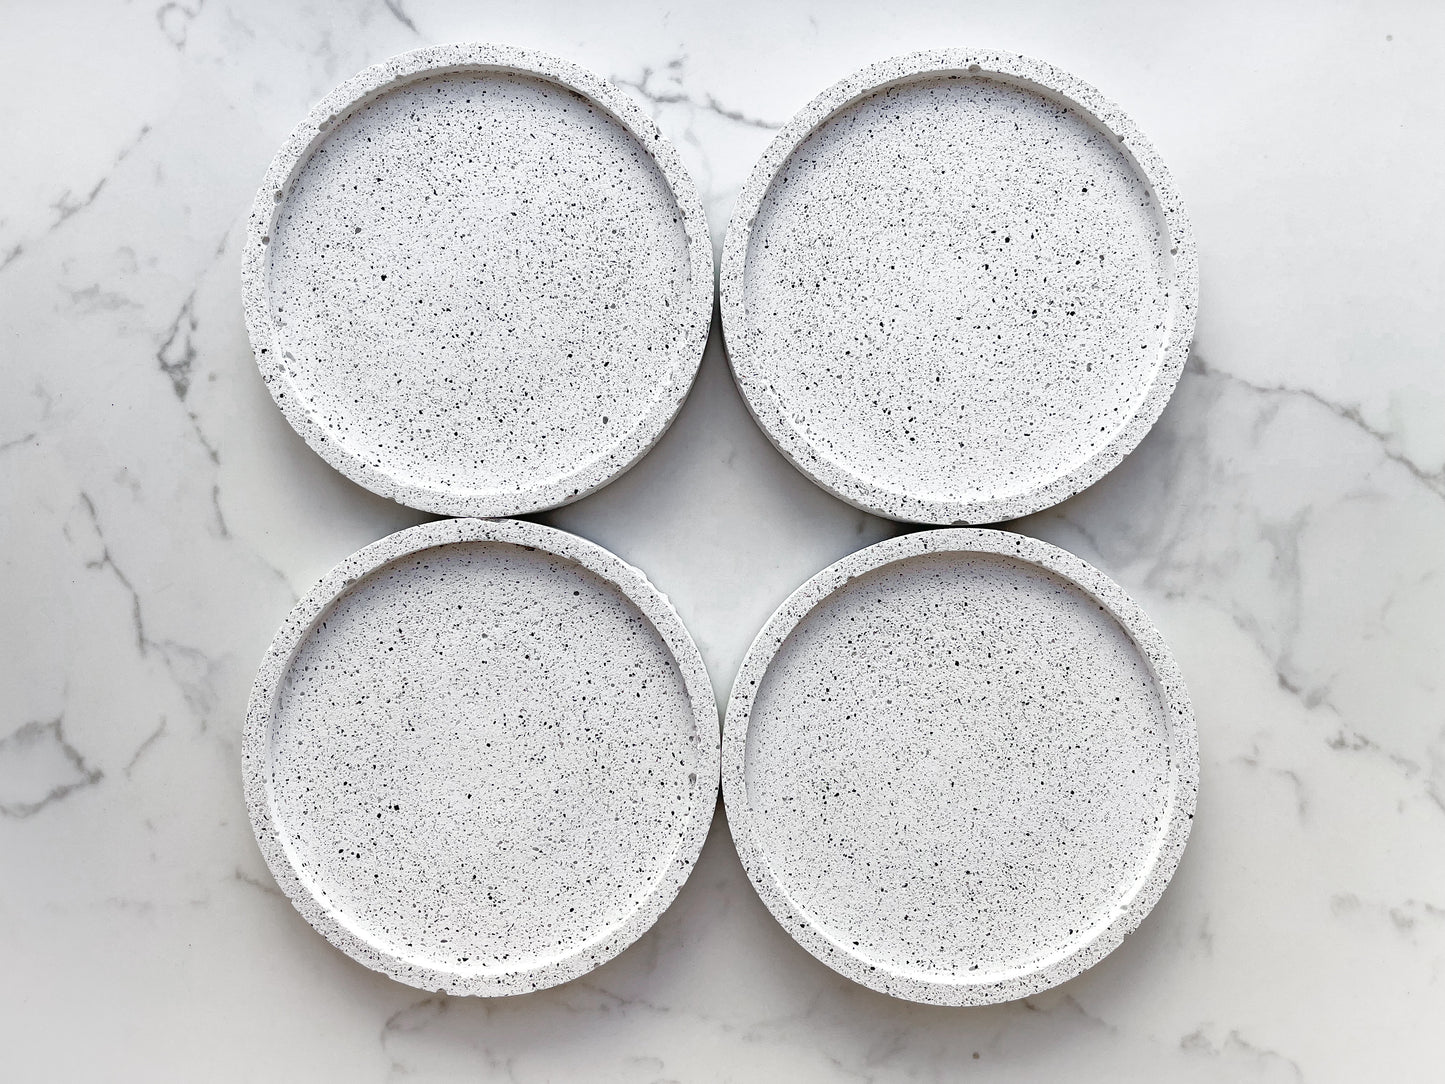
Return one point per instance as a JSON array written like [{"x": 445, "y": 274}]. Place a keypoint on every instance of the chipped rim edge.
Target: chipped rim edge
[
  {"x": 255, "y": 759},
  {"x": 1029, "y": 74},
  {"x": 1184, "y": 764},
  {"x": 692, "y": 322}
]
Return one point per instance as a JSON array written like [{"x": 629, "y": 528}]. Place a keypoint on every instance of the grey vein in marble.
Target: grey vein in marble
[
  {"x": 1434, "y": 479},
  {"x": 399, "y": 13},
  {"x": 174, "y": 20},
  {"x": 145, "y": 746},
  {"x": 1234, "y": 1043},
  {"x": 674, "y": 72},
  {"x": 38, "y": 766},
  {"x": 66, "y": 206}
]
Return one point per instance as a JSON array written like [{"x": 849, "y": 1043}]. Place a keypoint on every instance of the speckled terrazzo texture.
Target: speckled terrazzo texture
[
  {"x": 478, "y": 280},
  {"x": 482, "y": 756},
  {"x": 959, "y": 766},
  {"x": 958, "y": 287}
]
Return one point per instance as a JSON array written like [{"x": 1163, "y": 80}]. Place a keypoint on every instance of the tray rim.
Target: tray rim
[
  {"x": 1027, "y": 73},
  {"x": 692, "y": 319},
  {"x": 1174, "y": 697},
  {"x": 313, "y": 607}
]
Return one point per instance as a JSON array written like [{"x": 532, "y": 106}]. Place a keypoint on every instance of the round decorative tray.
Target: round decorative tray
[
  {"x": 478, "y": 281},
  {"x": 959, "y": 766},
  {"x": 958, "y": 287},
  {"x": 482, "y": 756}
]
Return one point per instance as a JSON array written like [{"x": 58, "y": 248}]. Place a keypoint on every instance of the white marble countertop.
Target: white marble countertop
[{"x": 1284, "y": 526}]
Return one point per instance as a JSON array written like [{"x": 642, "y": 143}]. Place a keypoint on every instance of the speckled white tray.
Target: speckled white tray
[
  {"x": 958, "y": 287},
  {"x": 959, "y": 766},
  {"x": 481, "y": 757},
  {"x": 478, "y": 281}
]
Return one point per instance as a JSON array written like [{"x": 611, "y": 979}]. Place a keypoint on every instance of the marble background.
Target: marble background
[{"x": 1284, "y": 525}]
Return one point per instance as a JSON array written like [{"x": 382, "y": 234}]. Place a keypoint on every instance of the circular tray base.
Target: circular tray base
[
  {"x": 482, "y": 756},
  {"x": 959, "y": 766},
  {"x": 478, "y": 281},
  {"x": 958, "y": 288}
]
